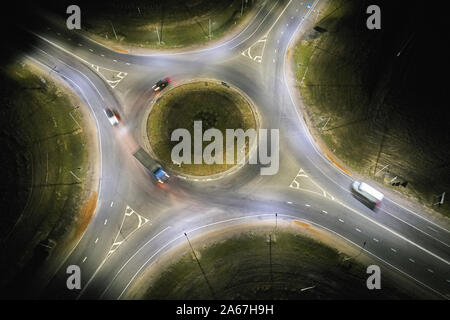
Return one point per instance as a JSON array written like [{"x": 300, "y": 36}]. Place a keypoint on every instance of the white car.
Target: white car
[
  {"x": 112, "y": 116},
  {"x": 374, "y": 197}
]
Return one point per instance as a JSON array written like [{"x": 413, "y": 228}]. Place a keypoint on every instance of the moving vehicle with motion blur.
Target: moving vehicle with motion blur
[
  {"x": 160, "y": 175},
  {"x": 161, "y": 84},
  {"x": 112, "y": 116},
  {"x": 367, "y": 194},
  {"x": 151, "y": 165}
]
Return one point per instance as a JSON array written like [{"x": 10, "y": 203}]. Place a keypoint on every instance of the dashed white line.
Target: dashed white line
[
  {"x": 429, "y": 270},
  {"x": 375, "y": 239},
  {"x": 96, "y": 240},
  {"x": 127, "y": 63},
  {"x": 80, "y": 44},
  {"x": 106, "y": 221},
  {"x": 393, "y": 250},
  {"x": 324, "y": 211},
  {"x": 102, "y": 55},
  {"x": 112, "y": 203},
  {"x": 91, "y": 50},
  {"x": 84, "y": 259},
  {"x": 432, "y": 229},
  {"x": 358, "y": 230},
  {"x": 114, "y": 60},
  {"x": 289, "y": 202},
  {"x": 308, "y": 205},
  {"x": 341, "y": 220},
  {"x": 412, "y": 260}
]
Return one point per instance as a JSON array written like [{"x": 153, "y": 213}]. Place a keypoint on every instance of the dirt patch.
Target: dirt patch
[{"x": 86, "y": 214}]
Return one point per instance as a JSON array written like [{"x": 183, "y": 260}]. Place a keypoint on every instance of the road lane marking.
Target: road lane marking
[
  {"x": 414, "y": 227},
  {"x": 358, "y": 230},
  {"x": 393, "y": 250},
  {"x": 96, "y": 240},
  {"x": 124, "y": 265},
  {"x": 288, "y": 216},
  {"x": 430, "y": 270},
  {"x": 432, "y": 229},
  {"x": 324, "y": 211},
  {"x": 308, "y": 205},
  {"x": 412, "y": 260},
  {"x": 84, "y": 259},
  {"x": 341, "y": 220},
  {"x": 375, "y": 239},
  {"x": 270, "y": 29},
  {"x": 106, "y": 221},
  {"x": 76, "y": 70},
  {"x": 112, "y": 203}
]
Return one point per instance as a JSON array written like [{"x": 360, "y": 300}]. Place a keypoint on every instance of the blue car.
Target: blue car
[{"x": 160, "y": 175}]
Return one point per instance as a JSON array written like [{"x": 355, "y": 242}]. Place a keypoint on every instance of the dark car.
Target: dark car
[{"x": 161, "y": 84}]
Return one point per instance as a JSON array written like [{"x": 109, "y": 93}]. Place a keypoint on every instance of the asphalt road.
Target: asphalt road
[{"x": 137, "y": 220}]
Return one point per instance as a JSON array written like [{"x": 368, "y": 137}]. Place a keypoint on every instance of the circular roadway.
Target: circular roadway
[{"x": 137, "y": 221}]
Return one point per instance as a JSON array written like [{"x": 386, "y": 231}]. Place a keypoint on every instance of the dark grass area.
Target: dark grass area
[
  {"x": 213, "y": 104},
  {"x": 246, "y": 267},
  {"x": 41, "y": 144},
  {"x": 375, "y": 107},
  {"x": 179, "y": 23}
]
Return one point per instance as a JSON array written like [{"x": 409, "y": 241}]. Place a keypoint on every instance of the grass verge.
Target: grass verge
[
  {"x": 262, "y": 264},
  {"x": 379, "y": 112},
  {"x": 161, "y": 24},
  {"x": 45, "y": 166}
]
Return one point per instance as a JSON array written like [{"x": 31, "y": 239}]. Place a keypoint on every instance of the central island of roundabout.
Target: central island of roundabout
[{"x": 207, "y": 104}]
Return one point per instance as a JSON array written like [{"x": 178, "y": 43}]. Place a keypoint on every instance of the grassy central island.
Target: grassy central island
[{"x": 215, "y": 105}]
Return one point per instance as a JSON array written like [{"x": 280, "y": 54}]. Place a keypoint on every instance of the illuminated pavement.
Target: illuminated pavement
[{"x": 137, "y": 220}]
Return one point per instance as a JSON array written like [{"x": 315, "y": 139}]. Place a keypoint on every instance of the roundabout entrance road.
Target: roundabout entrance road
[{"x": 137, "y": 221}]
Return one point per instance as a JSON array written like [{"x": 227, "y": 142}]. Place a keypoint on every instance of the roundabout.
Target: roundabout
[
  {"x": 202, "y": 104},
  {"x": 137, "y": 221}
]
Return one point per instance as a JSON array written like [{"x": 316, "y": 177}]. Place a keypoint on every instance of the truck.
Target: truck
[
  {"x": 367, "y": 194},
  {"x": 151, "y": 165}
]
